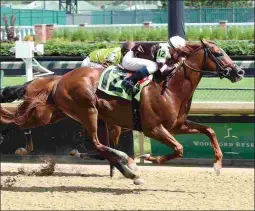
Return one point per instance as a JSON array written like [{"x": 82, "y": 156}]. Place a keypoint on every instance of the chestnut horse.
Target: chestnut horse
[
  {"x": 162, "y": 114},
  {"x": 37, "y": 109}
]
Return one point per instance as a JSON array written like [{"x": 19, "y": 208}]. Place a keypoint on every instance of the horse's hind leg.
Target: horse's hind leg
[
  {"x": 162, "y": 135},
  {"x": 29, "y": 144},
  {"x": 114, "y": 135},
  {"x": 190, "y": 127},
  {"x": 5, "y": 131},
  {"x": 40, "y": 116},
  {"x": 28, "y": 137}
]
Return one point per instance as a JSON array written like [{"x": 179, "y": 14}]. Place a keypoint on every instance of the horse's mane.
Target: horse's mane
[{"x": 188, "y": 49}]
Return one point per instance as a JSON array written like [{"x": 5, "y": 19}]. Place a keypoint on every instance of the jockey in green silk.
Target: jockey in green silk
[{"x": 103, "y": 57}]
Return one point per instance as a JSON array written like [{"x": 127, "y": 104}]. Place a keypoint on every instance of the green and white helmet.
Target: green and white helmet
[{"x": 176, "y": 42}]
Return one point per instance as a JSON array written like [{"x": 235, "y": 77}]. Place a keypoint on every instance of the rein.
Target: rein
[{"x": 165, "y": 82}]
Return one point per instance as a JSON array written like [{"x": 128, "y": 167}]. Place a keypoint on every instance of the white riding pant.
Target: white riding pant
[
  {"x": 87, "y": 63},
  {"x": 132, "y": 63}
]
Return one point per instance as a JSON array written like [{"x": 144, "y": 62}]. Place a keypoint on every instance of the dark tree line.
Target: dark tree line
[{"x": 213, "y": 3}]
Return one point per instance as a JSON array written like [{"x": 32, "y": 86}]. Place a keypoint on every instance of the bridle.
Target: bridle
[{"x": 221, "y": 69}]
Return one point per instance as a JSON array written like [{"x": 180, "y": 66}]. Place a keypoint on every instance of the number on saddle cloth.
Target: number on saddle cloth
[{"x": 110, "y": 83}]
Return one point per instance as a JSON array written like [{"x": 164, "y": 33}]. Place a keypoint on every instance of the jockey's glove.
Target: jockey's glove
[{"x": 163, "y": 68}]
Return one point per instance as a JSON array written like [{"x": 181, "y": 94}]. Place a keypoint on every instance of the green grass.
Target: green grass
[
  {"x": 225, "y": 95},
  {"x": 147, "y": 144},
  {"x": 13, "y": 81},
  {"x": 153, "y": 34},
  {"x": 200, "y": 95},
  {"x": 225, "y": 83}
]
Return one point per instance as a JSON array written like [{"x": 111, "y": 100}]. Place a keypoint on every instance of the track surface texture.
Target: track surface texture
[{"x": 89, "y": 187}]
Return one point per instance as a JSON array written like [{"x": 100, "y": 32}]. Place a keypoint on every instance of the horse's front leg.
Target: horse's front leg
[
  {"x": 161, "y": 134},
  {"x": 109, "y": 135},
  {"x": 103, "y": 135},
  {"x": 126, "y": 165},
  {"x": 114, "y": 135},
  {"x": 29, "y": 144},
  {"x": 190, "y": 127}
]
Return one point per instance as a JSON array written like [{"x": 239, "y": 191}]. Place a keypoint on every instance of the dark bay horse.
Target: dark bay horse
[{"x": 163, "y": 115}]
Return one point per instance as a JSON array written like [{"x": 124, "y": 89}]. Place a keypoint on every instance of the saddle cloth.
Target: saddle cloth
[{"x": 111, "y": 79}]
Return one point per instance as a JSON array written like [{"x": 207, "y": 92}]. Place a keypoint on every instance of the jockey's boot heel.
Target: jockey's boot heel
[{"x": 129, "y": 83}]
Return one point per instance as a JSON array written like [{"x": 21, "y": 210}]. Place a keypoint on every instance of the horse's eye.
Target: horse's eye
[{"x": 218, "y": 54}]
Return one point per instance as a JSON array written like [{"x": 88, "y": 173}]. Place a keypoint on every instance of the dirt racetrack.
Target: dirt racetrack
[{"x": 88, "y": 187}]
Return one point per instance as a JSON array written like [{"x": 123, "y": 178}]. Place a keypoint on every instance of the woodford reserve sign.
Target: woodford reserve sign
[{"x": 236, "y": 141}]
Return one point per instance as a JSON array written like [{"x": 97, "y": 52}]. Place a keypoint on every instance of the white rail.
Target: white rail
[{"x": 21, "y": 31}]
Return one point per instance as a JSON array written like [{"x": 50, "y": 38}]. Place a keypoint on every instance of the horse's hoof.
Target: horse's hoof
[
  {"x": 216, "y": 169},
  {"x": 145, "y": 156},
  {"x": 139, "y": 181},
  {"x": 73, "y": 152},
  {"x": 21, "y": 151}
]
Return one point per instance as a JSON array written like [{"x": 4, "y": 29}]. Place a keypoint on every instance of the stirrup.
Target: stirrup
[{"x": 128, "y": 86}]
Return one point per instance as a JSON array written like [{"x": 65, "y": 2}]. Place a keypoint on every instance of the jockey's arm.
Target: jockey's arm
[
  {"x": 166, "y": 70},
  {"x": 161, "y": 58}
]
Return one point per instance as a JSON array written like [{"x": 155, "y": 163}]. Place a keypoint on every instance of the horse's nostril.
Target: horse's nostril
[{"x": 240, "y": 72}]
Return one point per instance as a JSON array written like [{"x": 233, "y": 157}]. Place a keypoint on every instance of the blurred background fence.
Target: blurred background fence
[
  {"x": 202, "y": 15},
  {"x": 28, "y": 17}
]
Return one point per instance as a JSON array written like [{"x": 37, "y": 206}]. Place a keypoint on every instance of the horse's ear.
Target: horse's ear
[{"x": 202, "y": 41}]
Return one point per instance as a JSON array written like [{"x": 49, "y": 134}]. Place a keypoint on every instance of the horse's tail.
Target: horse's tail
[
  {"x": 11, "y": 93},
  {"x": 26, "y": 109}
]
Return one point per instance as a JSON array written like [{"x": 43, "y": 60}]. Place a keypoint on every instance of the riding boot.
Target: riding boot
[{"x": 129, "y": 83}]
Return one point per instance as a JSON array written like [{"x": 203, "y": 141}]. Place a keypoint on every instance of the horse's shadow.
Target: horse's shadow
[
  {"x": 115, "y": 191},
  {"x": 56, "y": 174}
]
